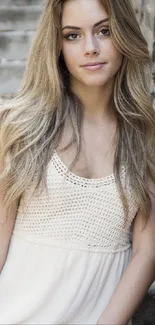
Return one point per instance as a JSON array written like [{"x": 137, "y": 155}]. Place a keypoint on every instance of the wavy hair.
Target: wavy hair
[{"x": 33, "y": 122}]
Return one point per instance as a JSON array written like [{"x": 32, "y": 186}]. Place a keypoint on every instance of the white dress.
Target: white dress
[{"x": 68, "y": 251}]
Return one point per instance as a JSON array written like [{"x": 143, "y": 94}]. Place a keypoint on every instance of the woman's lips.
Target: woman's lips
[{"x": 92, "y": 67}]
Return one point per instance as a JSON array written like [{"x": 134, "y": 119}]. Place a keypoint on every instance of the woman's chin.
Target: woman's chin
[
  {"x": 95, "y": 83},
  {"x": 91, "y": 81}
]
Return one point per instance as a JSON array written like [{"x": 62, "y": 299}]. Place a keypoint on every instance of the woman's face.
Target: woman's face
[{"x": 86, "y": 41}]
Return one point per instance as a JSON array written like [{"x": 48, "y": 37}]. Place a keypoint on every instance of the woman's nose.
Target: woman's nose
[{"x": 91, "y": 46}]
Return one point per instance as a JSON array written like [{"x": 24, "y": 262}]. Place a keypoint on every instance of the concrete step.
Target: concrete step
[
  {"x": 152, "y": 289},
  {"x": 11, "y": 74},
  {"x": 22, "y": 2},
  {"x": 19, "y": 18},
  {"x": 6, "y": 97},
  {"x": 145, "y": 314},
  {"x": 15, "y": 45}
]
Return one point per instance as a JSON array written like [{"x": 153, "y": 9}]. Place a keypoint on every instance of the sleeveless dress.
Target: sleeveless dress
[{"x": 68, "y": 250}]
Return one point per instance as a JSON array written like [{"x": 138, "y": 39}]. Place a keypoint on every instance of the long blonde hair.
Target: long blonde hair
[{"x": 33, "y": 122}]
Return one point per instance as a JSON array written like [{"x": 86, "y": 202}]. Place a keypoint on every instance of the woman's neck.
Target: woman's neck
[{"x": 97, "y": 101}]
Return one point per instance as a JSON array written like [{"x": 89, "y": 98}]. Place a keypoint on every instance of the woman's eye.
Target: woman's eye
[
  {"x": 105, "y": 31},
  {"x": 71, "y": 37}
]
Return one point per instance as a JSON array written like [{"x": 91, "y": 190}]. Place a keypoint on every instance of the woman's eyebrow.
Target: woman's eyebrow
[{"x": 95, "y": 25}]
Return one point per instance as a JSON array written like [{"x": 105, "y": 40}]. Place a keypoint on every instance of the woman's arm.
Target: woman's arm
[
  {"x": 7, "y": 220},
  {"x": 137, "y": 277}
]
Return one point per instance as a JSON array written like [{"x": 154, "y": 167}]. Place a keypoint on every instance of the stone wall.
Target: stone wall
[
  {"x": 18, "y": 19},
  {"x": 145, "y": 10}
]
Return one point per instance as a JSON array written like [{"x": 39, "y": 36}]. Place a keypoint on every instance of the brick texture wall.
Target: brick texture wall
[{"x": 18, "y": 19}]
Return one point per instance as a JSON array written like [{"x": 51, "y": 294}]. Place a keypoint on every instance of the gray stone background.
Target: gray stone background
[{"x": 18, "y": 20}]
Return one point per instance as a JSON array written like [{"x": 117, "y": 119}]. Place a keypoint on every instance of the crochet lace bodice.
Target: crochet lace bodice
[{"x": 77, "y": 212}]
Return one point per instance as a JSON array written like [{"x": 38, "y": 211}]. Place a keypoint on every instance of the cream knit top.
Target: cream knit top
[{"x": 68, "y": 250}]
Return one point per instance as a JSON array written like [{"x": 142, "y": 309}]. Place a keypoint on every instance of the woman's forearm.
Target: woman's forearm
[{"x": 130, "y": 291}]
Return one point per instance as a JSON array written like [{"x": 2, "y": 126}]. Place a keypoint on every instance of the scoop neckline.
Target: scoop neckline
[{"x": 80, "y": 180}]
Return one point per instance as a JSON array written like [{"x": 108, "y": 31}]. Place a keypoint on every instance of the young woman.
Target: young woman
[{"x": 77, "y": 171}]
